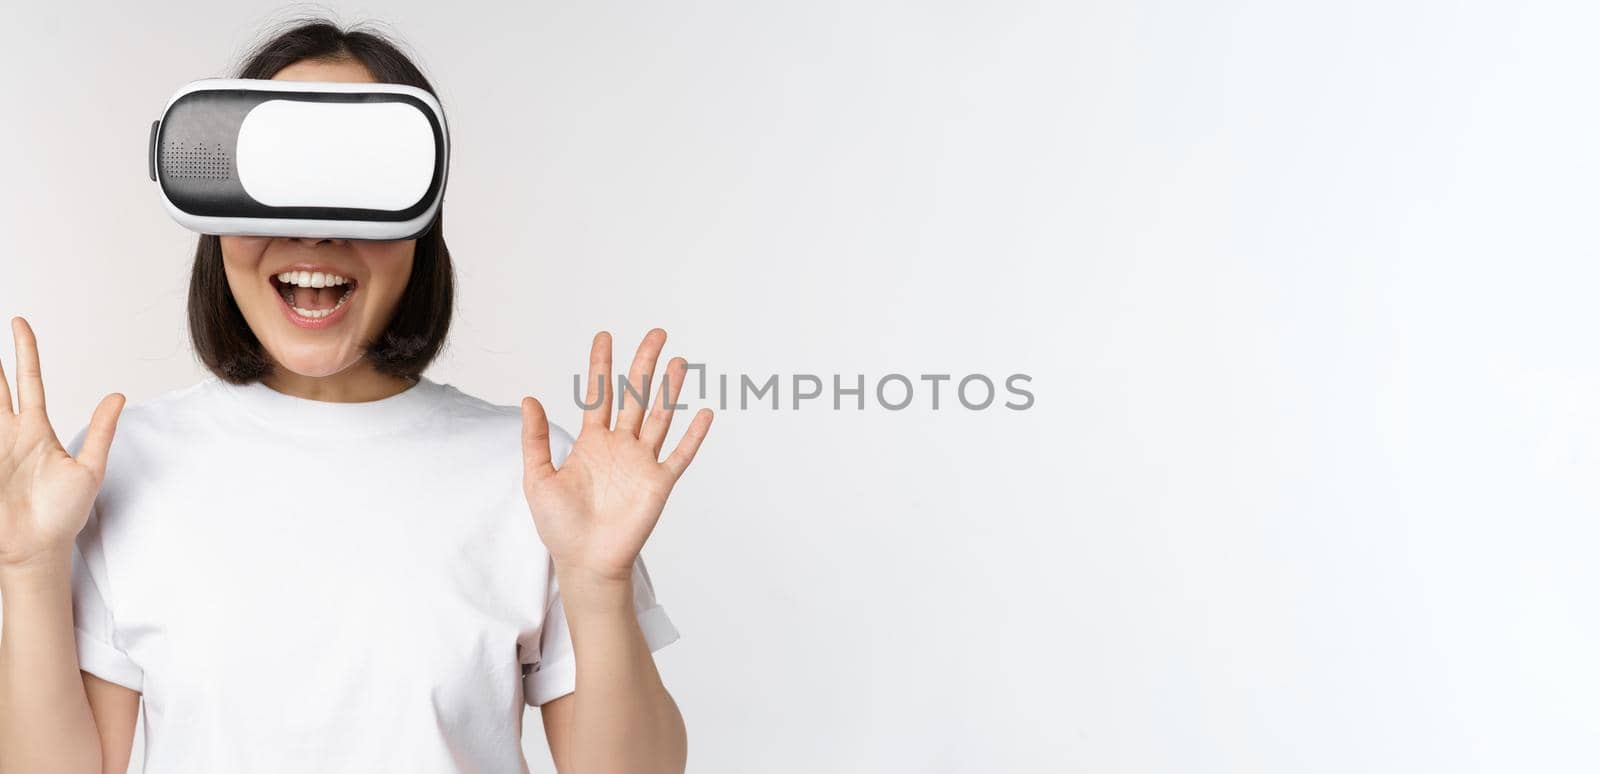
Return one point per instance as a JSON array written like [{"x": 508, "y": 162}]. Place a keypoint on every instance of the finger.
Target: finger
[
  {"x": 660, "y": 419},
  {"x": 678, "y": 461},
  {"x": 599, "y": 381},
  {"x": 633, "y": 402},
  {"x": 30, "y": 382},
  {"x": 535, "y": 439},
  {"x": 102, "y": 427}
]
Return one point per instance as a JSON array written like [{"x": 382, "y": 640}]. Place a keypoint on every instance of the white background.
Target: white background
[{"x": 1306, "y": 291}]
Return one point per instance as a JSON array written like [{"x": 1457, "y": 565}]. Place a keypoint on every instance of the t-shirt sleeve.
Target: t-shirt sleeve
[
  {"x": 553, "y": 671},
  {"x": 96, "y": 631}
]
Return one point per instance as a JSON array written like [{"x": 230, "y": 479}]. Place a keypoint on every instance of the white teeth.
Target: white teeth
[{"x": 309, "y": 279}]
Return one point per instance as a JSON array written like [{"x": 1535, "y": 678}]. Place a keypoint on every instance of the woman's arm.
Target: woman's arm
[
  {"x": 46, "y": 723},
  {"x": 116, "y": 717},
  {"x": 594, "y": 515},
  {"x": 42, "y": 691},
  {"x": 619, "y": 693}
]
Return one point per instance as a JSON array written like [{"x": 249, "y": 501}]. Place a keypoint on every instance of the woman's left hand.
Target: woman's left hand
[{"x": 595, "y": 513}]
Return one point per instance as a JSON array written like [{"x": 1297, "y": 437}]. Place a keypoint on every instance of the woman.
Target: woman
[{"x": 319, "y": 560}]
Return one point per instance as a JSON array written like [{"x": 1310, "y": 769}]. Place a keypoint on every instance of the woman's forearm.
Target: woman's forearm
[
  {"x": 45, "y": 722},
  {"x": 623, "y": 718}
]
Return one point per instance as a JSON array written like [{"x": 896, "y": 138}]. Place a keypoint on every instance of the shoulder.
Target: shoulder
[
  {"x": 175, "y": 411},
  {"x": 467, "y": 411}
]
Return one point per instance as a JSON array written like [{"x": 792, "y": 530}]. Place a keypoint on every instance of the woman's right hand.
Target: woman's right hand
[{"x": 45, "y": 493}]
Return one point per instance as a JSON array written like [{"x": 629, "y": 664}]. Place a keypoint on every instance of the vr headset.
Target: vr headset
[{"x": 301, "y": 158}]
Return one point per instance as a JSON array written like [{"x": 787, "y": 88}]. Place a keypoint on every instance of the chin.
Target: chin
[{"x": 312, "y": 366}]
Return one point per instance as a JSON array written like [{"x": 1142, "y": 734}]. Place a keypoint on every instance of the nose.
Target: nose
[{"x": 315, "y": 241}]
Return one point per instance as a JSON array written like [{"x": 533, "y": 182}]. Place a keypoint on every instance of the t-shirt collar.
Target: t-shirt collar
[{"x": 331, "y": 418}]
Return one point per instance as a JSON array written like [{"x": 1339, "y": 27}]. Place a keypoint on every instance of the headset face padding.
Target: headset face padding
[{"x": 301, "y": 158}]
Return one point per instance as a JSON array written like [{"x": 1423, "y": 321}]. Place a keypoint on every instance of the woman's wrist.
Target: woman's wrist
[
  {"x": 48, "y": 566},
  {"x": 586, "y": 590}
]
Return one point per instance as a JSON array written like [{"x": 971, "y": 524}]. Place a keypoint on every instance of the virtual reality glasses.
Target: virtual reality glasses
[{"x": 301, "y": 158}]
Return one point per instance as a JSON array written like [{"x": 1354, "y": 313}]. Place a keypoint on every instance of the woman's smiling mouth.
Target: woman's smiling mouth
[{"x": 313, "y": 298}]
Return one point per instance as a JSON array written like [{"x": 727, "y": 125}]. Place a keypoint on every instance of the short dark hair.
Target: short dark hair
[{"x": 415, "y": 334}]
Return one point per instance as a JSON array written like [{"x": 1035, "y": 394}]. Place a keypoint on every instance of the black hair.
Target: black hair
[{"x": 415, "y": 334}]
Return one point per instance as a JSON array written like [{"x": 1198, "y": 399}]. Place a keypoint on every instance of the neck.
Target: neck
[{"x": 357, "y": 384}]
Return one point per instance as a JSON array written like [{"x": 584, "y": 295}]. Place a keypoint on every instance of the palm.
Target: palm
[
  {"x": 45, "y": 493},
  {"x": 598, "y": 509}
]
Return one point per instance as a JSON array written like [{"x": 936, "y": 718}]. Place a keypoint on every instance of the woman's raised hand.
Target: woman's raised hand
[
  {"x": 596, "y": 511},
  {"x": 45, "y": 493}
]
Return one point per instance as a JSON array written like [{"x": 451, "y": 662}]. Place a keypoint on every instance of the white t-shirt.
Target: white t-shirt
[{"x": 306, "y": 586}]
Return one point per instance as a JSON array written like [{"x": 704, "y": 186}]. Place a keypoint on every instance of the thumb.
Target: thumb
[
  {"x": 97, "y": 439},
  {"x": 535, "y": 440}
]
